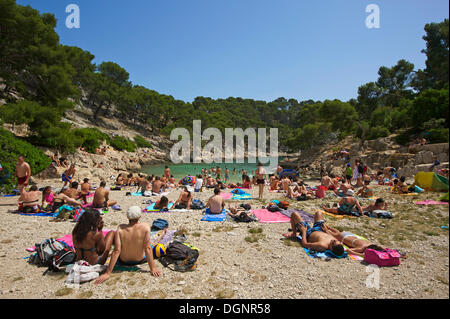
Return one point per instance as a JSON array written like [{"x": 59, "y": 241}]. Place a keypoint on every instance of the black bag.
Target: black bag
[
  {"x": 302, "y": 197},
  {"x": 246, "y": 206},
  {"x": 180, "y": 206},
  {"x": 62, "y": 257},
  {"x": 182, "y": 256},
  {"x": 243, "y": 218},
  {"x": 197, "y": 204},
  {"x": 273, "y": 208}
]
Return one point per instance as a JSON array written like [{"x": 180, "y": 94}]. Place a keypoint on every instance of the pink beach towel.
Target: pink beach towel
[
  {"x": 430, "y": 202},
  {"x": 226, "y": 195},
  {"x": 264, "y": 216}
]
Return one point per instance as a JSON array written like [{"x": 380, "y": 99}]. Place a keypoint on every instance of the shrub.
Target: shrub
[
  {"x": 439, "y": 135},
  {"x": 142, "y": 142},
  {"x": 91, "y": 138},
  {"x": 121, "y": 143},
  {"x": 10, "y": 149},
  {"x": 377, "y": 132}
]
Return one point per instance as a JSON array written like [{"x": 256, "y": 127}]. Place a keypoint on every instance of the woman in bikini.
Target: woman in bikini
[
  {"x": 185, "y": 200},
  {"x": 260, "y": 175},
  {"x": 162, "y": 204},
  {"x": 88, "y": 240},
  {"x": 356, "y": 245}
]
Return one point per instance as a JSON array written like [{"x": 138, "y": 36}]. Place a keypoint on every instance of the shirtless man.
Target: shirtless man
[
  {"x": 101, "y": 197},
  {"x": 279, "y": 170},
  {"x": 73, "y": 191},
  {"x": 67, "y": 176},
  {"x": 167, "y": 172},
  {"x": 218, "y": 172},
  {"x": 366, "y": 191},
  {"x": 314, "y": 238},
  {"x": 346, "y": 206},
  {"x": 85, "y": 189},
  {"x": 274, "y": 183},
  {"x": 131, "y": 245},
  {"x": 388, "y": 172},
  {"x": 158, "y": 185},
  {"x": 210, "y": 182},
  {"x": 285, "y": 183},
  {"x": 216, "y": 203},
  {"x": 379, "y": 204},
  {"x": 344, "y": 188},
  {"x": 30, "y": 198},
  {"x": 23, "y": 173}
]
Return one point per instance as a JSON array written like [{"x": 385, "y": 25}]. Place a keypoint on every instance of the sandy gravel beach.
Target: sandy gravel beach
[{"x": 231, "y": 266}]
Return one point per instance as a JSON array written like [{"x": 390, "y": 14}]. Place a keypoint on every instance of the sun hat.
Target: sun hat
[{"x": 134, "y": 212}]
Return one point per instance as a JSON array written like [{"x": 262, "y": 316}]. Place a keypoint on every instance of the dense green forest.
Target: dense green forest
[{"x": 50, "y": 78}]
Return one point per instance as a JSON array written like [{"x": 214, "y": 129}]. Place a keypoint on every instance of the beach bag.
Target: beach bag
[
  {"x": 273, "y": 208},
  {"x": 62, "y": 257},
  {"x": 77, "y": 214},
  {"x": 160, "y": 224},
  {"x": 197, "y": 204},
  {"x": 246, "y": 206},
  {"x": 302, "y": 197},
  {"x": 384, "y": 258},
  {"x": 180, "y": 206},
  {"x": 283, "y": 205},
  {"x": 244, "y": 218},
  {"x": 45, "y": 252},
  {"x": 183, "y": 257}
]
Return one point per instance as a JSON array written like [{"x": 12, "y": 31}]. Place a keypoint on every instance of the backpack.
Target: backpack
[
  {"x": 160, "y": 224},
  {"x": 360, "y": 169},
  {"x": 197, "y": 204},
  {"x": 384, "y": 258},
  {"x": 244, "y": 218},
  {"x": 62, "y": 257},
  {"x": 45, "y": 252},
  {"x": 245, "y": 206},
  {"x": 183, "y": 256},
  {"x": 273, "y": 208}
]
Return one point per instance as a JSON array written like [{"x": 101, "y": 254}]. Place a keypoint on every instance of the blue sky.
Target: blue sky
[{"x": 256, "y": 49}]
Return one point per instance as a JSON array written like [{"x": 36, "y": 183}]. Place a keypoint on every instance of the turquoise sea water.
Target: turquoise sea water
[{"x": 181, "y": 170}]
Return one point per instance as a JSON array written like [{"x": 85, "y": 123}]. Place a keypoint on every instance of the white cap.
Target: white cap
[
  {"x": 134, "y": 212},
  {"x": 350, "y": 192}
]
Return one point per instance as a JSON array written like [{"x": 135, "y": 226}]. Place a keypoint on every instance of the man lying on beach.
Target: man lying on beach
[
  {"x": 131, "y": 245},
  {"x": 314, "y": 238},
  {"x": 401, "y": 187},
  {"x": 379, "y": 204},
  {"x": 346, "y": 206},
  {"x": 216, "y": 203},
  {"x": 101, "y": 197}
]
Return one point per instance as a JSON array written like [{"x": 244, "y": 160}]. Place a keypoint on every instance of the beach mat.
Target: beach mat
[
  {"x": 226, "y": 195},
  {"x": 328, "y": 254},
  {"x": 150, "y": 209},
  {"x": 265, "y": 216},
  {"x": 309, "y": 218},
  {"x": 214, "y": 217}
]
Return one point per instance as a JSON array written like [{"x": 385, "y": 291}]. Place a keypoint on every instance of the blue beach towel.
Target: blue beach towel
[
  {"x": 150, "y": 208},
  {"x": 321, "y": 254},
  {"x": 214, "y": 217}
]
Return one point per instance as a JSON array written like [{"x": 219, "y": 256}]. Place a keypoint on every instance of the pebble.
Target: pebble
[{"x": 181, "y": 283}]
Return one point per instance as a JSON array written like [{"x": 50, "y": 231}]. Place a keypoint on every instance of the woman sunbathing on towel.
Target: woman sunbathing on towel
[
  {"x": 88, "y": 240},
  {"x": 161, "y": 204},
  {"x": 357, "y": 246}
]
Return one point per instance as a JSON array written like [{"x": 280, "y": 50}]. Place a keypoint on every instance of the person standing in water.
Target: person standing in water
[{"x": 260, "y": 175}]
